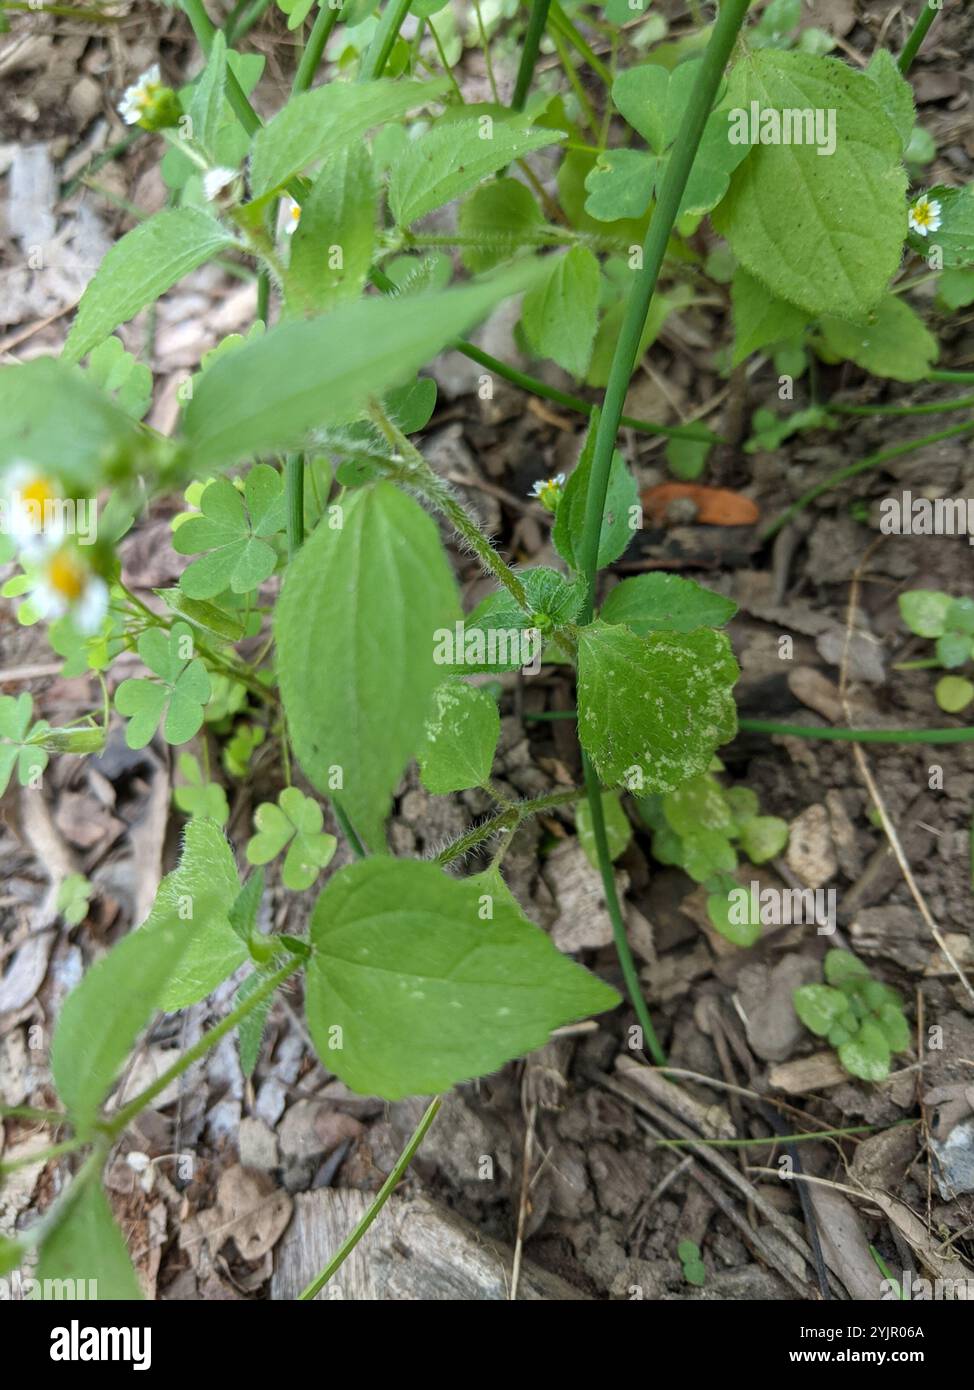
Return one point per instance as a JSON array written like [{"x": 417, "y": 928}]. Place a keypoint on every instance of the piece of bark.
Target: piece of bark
[
  {"x": 806, "y": 1074},
  {"x": 416, "y": 1250}
]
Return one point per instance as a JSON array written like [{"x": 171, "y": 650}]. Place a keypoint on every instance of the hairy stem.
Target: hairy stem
[
  {"x": 508, "y": 819},
  {"x": 381, "y": 1197}
]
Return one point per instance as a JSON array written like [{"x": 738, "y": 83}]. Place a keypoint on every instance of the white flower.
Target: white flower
[
  {"x": 140, "y": 95},
  {"x": 67, "y": 586},
  {"x": 216, "y": 180},
  {"x": 29, "y": 507},
  {"x": 291, "y": 215},
  {"x": 548, "y": 491},
  {"x": 924, "y": 216}
]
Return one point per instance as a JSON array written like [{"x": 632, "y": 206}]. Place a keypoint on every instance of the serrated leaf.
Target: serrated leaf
[
  {"x": 452, "y": 158},
  {"x": 621, "y": 506},
  {"x": 559, "y": 317},
  {"x": 659, "y": 602},
  {"x": 338, "y": 215},
  {"x": 339, "y": 682},
  {"x": 819, "y": 1007},
  {"x": 206, "y": 103},
  {"x": 148, "y": 260},
  {"x": 310, "y": 373},
  {"x": 425, "y": 989},
  {"x": 823, "y": 232},
  {"x": 653, "y": 709},
  {"x": 87, "y": 1245},
  {"x": 504, "y": 216},
  {"x": 759, "y": 317},
  {"x": 894, "y": 342},
  {"x": 895, "y": 93},
  {"x": 327, "y": 119},
  {"x": 461, "y": 736}
]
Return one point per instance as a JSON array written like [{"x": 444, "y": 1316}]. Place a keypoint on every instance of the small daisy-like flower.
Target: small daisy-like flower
[
  {"x": 216, "y": 180},
  {"x": 291, "y": 215},
  {"x": 66, "y": 585},
  {"x": 925, "y": 216},
  {"x": 29, "y": 510},
  {"x": 149, "y": 103},
  {"x": 548, "y": 491}
]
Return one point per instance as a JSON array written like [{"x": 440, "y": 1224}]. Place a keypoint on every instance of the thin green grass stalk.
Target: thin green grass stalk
[
  {"x": 854, "y": 469},
  {"x": 204, "y": 30},
  {"x": 772, "y": 1139},
  {"x": 912, "y": 46},
  {"x": 964, "y": 377},
  {"x": 709, "y": 76},
  {"x": 560, "y": 21},
  {"x": 768, "y": 726},
  {"x": 294, "y": 490},
  {"x": 887, "y": 1273},
  {"x": 931, "y": 408},
  {"x": 325, "y": 21},
  {"x": 383, "y": 41},
  {"x": 242, "y": 19},
  {"x": 529, "y": 53},
  {"x": 381, "y": 1197}
]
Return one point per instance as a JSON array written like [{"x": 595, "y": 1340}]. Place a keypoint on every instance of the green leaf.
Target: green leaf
[
  {"x": 179, "y": 695},
  {"x": 86, "y": 1244},
  {"x": 15, "y": 751},
  {"x": 845, "y": 970},
  {"x": 331, "y": 249},
  {"x": 618, "y": 831},
  {"x": 461, "y": 736},
  {"x": 432, "y": 980},
  {"x": 706, "y": 853},
  {"x": 735, "y": 913},
  {"x": 687, "y": 458},
  {"x": 237, "y": 559},
  {"x": 954, "y": 238},
  {"x": 309, "y": 373},
  {"x": 250, "y": 1033},
  {"x": 504, "y": 215},
  {"x": 327, "y": 119},
  {"x": 819, "y": 1007},
  {"x": 763, "y": 837},
  {"x": 953, "y": 649},
  {"x": 925, "y": 611},
  {"x": 73, "y": 897},
  {"x": 498, "y": 635},
  {"x": 620, "y": 184},
  {"x": 559, "y": 317},
  {"x": 297, "y": 820},
  {"x": 700, "y": 804},
  {"x": 952, "y": 693},
  {"x": 867, "y": 1055},
  {"x": 893, "y": 343},
  {"x": 659, "y": 602},
  {"x": 824, "y": 232},
  {"x": 194, "y": 901},
  {"x": 759, "y": 317},
  {"x": 206, "y": 103},
  {"x": 895, "y": 93},
  {"x": 73, "y": 441},
  {"x": 148, "y": 260},
  {"x": 384, "y": 572},
  {"x": 653, "y": 709},
  {"x": 117, "y": 372},
  {"x": 619, "y": 517},
  {"x": 105, "y": 1013},
  {"x": 198, "y": 798},
  {"x": 893, "y": 1026},
  {"x": 452, "y": 158},
  {"x": 955, "y": 288}
]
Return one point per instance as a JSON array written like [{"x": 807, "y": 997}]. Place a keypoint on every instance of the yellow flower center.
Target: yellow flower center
[
  {"x": 66, "y": 575},
  {"x": 923, "y": 214},
  {"x": 37, "y": 494}
]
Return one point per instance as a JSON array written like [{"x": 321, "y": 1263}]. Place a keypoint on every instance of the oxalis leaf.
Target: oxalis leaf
[
  {"x": 823, "y": 231},
  {"x": 419, "y": 980},
  {"x": 105, "y": 1013},
  {"x": 138, "y": 269},
  {"x": 238, "y": 557},
  {"x": 310, "y": 373},
  {"x": 355, "y": 628},
  {"x": 651, "y": 710},
  {"x": 296, "y": 821},
  {"x": 180, "y": 693}
]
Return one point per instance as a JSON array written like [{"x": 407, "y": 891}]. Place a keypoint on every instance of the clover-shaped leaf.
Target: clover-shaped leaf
[
  {"x": 29, "y": 759},
  {"x": 73, "y": 898},
  {"x": 177, "y": 697},
  {"x": 230, "y": 528},
  {"x": 296, "y": 820},
  {"x": 198, "y": 797}
]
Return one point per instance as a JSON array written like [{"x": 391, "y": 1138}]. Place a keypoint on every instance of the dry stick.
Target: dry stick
[
  {"x": 873, "y": 789},
  {"x": 522, "y": 1209}
]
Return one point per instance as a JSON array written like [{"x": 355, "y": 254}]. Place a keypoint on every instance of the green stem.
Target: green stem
[
  {"x": 508, "y": 819},
  {"x": 118, "y": 1122},
  {"x": 934, "y": 408},
  {"x": 919, "y": 32},
  {"x": 325, "y": 21},
  {"x": 204, "y": 30},
  {"x": 10, "y": 1165},
  {"x": 381, "y": 1197},
  {"x": 29, "y": 1112},
  {"x": 560, "y": 21},
  {"x": 630, "y": 974},
  {"x": 768, "y": 726},
  {"x": 294, "y": 487},
  {"x": 772, "y": 1139},
  {"x": 854, "y": 469},
  {"x": 242, "y": 19},
  {"x": 965, "y": 377},
  {"x": 529, "y": 53},
  {"x": 349, "y": 831},
  {"x": 377, "y": 55}
]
